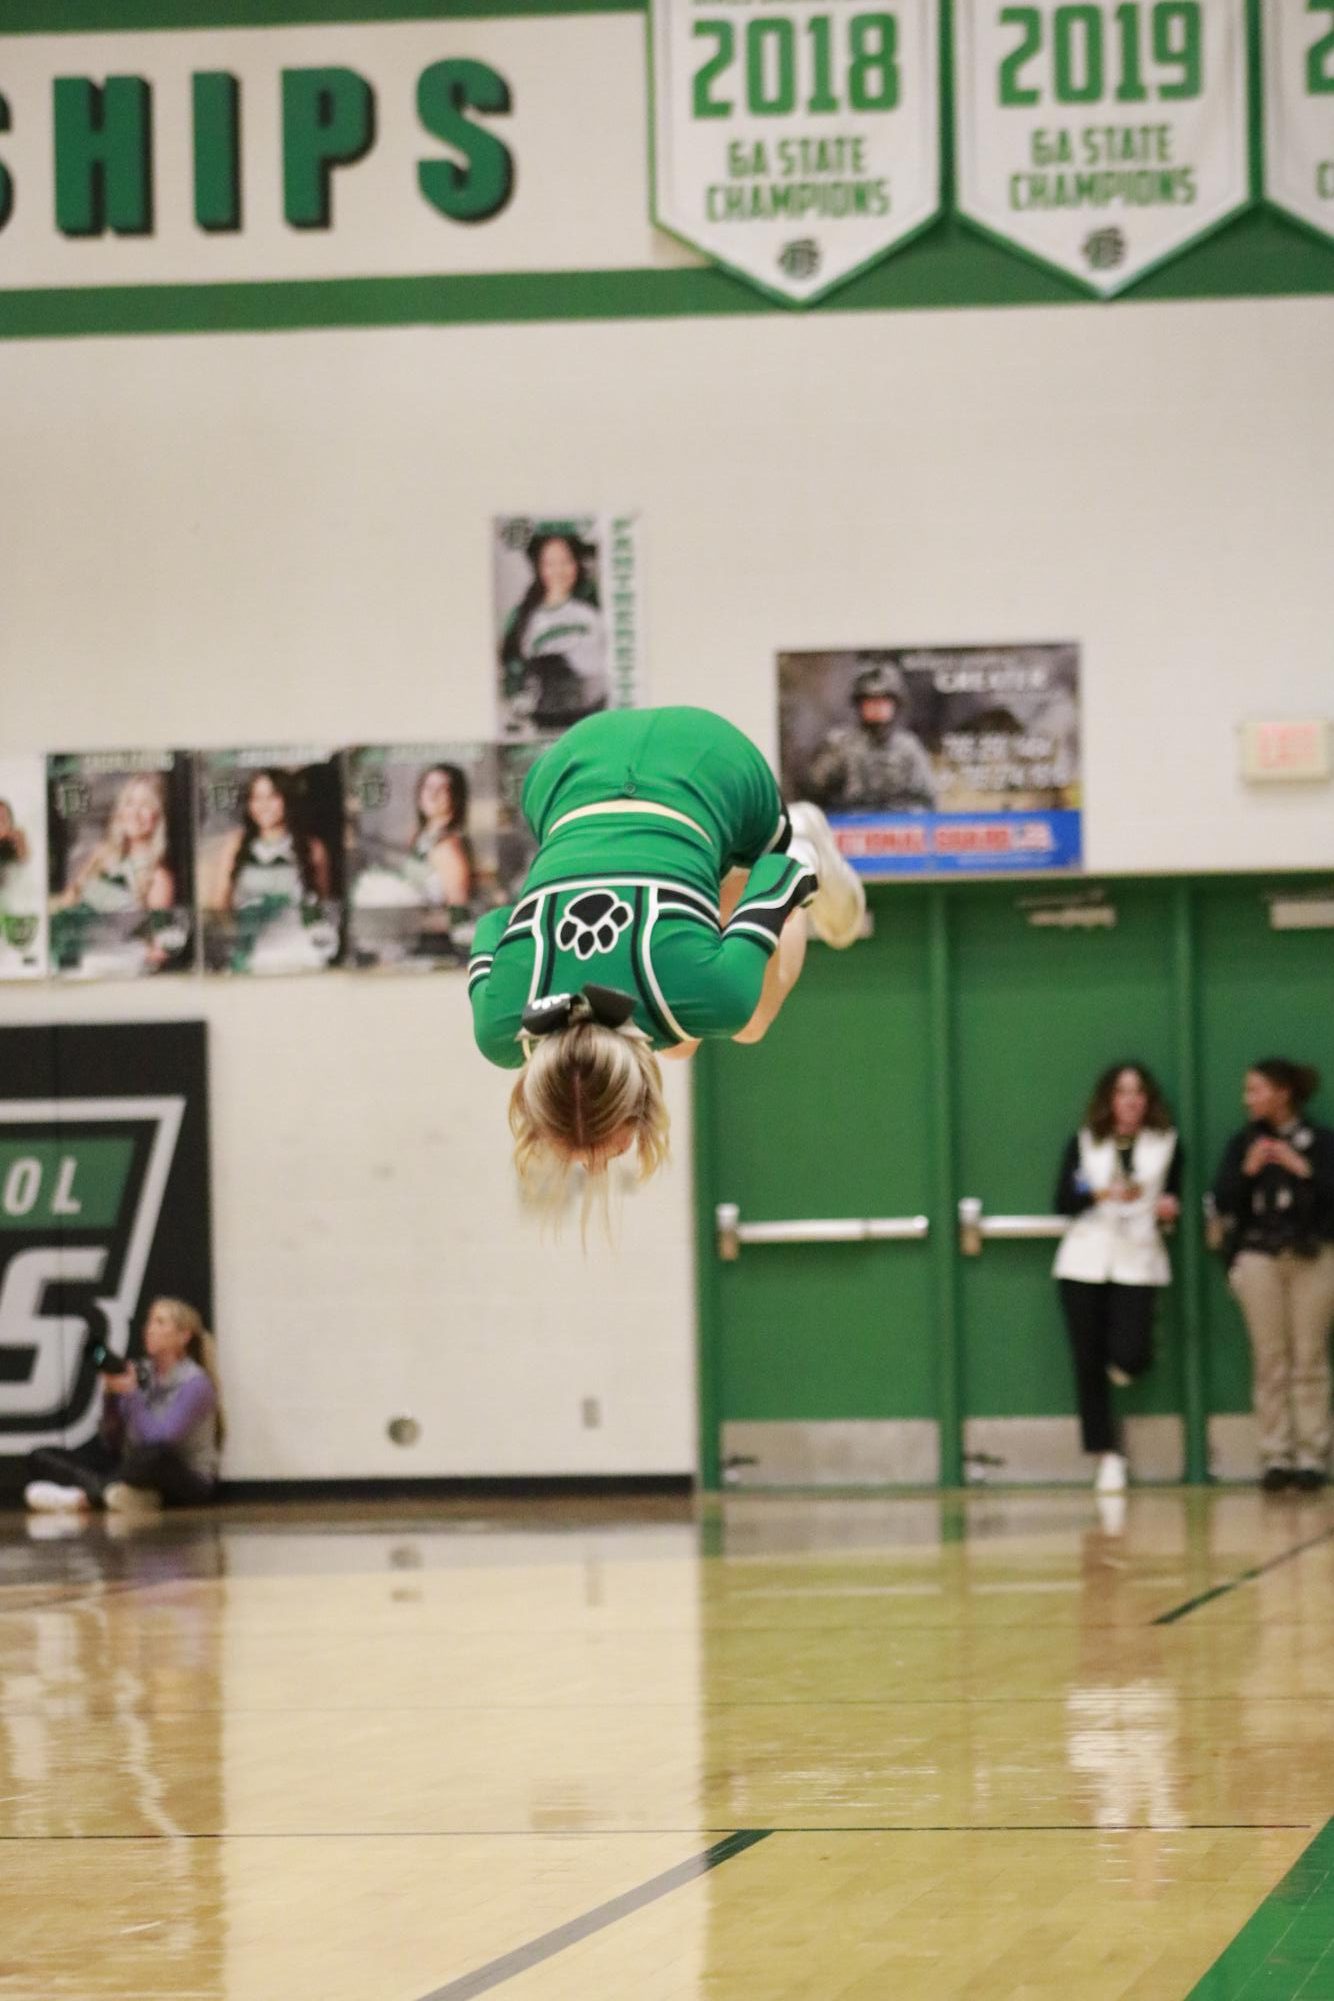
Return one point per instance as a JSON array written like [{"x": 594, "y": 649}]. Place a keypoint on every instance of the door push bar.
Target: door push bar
[
  {"x": 975, "y": 1227},
  {"x": 732, "y": 1233}
]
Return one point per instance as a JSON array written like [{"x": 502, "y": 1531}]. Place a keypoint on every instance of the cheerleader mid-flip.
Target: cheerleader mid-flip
[{"x": 666, "y": 903}]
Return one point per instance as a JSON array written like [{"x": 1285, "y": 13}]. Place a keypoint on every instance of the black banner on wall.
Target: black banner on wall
[{"x": 104, "y": 1206}]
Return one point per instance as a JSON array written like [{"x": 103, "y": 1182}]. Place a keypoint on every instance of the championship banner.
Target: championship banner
[
  {"x": 938, "y": 760},
  {"x": 104, "y": 1205},
  {"x": 421, "y": 852},
  {"x": 1299, "y": 109},
  {"x": 1101, "y": 139},
  {"x": 795, "y": 144},
  {"x": 22, "y": 868},
  {"x": 321, "y": 151}
]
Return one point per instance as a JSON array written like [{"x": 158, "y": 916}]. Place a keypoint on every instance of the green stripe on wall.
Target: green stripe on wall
[
  {"x": 1286, "y": 1951},
  {"x": 86, "y": 17},
  {"x": 1260, "y": 255}
]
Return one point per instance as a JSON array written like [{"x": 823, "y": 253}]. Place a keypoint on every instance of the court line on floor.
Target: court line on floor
[
  {"x": 1280, "y": 1949},
  {"x": 1243, "y": 1577},
  {"x": 510, "y": 1964},
  {"x": 658, "y": 1833}
]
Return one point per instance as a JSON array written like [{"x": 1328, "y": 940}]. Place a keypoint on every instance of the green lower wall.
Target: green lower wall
[{"x": 951, "y": 1055}]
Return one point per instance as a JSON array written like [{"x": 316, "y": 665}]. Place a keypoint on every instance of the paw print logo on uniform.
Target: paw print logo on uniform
[{"x": 592, "y": 923}]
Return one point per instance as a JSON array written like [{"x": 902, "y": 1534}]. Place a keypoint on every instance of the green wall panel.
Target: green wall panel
[
  {"x": 1038, "y": 1012},
  {"x": 952, "y": 1055},
  {"x": 1262, "y": 993},
  {"x": 829, "y": 1116}
]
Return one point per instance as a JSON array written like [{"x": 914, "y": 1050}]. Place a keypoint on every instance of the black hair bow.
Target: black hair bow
[{"x": 607, "y": 1005}]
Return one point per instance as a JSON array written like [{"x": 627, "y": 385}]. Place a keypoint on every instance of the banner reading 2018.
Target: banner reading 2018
[
  {"x": 1102, "y": 139},
  {"x": 795, "y": 143}
]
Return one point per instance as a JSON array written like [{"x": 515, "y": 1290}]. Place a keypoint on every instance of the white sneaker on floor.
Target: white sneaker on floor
[
  {"x": 47, "y": 1497},
  {"x": 59, "y": 1526},
  {"x": 839, "y": 905},
  {"x": 122, "y": 1499},
  {"x": 1111, "y": 1475}
]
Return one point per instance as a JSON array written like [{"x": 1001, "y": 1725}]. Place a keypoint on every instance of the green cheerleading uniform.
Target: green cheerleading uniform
[{"x": 639, "y": 814}]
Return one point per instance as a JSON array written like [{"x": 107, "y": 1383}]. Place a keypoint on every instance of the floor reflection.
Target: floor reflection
[{"x": 984, "y": 1762}]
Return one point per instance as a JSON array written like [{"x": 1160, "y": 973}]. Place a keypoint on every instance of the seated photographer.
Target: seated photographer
[{"x": 161, "y": 1428}]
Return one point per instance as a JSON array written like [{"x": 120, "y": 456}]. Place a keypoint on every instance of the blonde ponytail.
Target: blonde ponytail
[
  {"x": 202, "y": 1348},
  {"x": 580, "y": 1090}
]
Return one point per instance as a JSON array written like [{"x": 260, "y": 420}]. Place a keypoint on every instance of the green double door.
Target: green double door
[{"x": 946, "y": 1059}]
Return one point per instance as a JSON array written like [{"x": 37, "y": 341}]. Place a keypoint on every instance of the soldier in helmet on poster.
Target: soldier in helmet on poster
[{"x": 876, "y": 764}]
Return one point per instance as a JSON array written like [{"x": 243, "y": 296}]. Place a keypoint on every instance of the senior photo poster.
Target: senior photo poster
[
  {"x": 569, "y": 620},
  {"x": 120, "y": 863},
  {"x": 22, "y": 868},
  {"x": 270, "y": 844},
  {"x": 940, "y": 759},
  {"x": 421, "y": 829},
  {"x": 516, "y": 843}
]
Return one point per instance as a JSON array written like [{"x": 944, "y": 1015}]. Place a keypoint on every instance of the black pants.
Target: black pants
[
  {"x": 94, "y": 1466},
  {"x": 1108, "y": 1325}
]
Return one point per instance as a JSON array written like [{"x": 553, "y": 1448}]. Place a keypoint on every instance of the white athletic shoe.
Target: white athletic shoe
[
  {"x": 122, "y": 1499},
  {"x": 61, "y": 1527},
  {"x": 839, "y": 905},
  {"x": 1111, "y": 1475},
  {"x": 46, "y": 1497}
]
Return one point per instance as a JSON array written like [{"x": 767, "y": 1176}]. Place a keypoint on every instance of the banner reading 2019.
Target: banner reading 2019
[
  {"x": 1102, "y": 139},
  {"x": 795, "y": 143}
]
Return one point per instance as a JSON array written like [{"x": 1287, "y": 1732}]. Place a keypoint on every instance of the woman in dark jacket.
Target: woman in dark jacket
[{"x": 1274, "y": 1194}]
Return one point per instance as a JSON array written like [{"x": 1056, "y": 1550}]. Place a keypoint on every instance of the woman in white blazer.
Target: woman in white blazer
[{"x": 1120, "y": 1181}]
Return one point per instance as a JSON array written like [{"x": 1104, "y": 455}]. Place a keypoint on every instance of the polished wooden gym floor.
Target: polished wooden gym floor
[{"x": 992, "y": 1747}]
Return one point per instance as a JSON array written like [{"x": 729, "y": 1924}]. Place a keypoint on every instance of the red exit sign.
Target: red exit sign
[{"x": 1285, "y": 749}]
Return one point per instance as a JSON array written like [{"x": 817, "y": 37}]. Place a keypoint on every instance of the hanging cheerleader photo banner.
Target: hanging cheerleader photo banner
[
  {"x": 1101, "y": 139},
  {"x": 421, "y": 851},
  {"x": 795, "y": 144},
  {"x": 515, "y": 841},
  {"x": 1299, "y": 109},
  {"x": 938, "y": 760},
  {"x": 569, "y": 625},
  {"x": 22, "y": 868},
  {"x": 120, "y": 862},
  {"x": 270, "y": 860}
]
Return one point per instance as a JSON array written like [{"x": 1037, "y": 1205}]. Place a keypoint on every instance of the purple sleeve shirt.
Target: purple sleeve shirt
[{"x": 168, "y": 1420}]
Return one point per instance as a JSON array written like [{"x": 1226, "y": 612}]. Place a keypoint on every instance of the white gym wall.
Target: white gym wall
[{"x": 283, "y": 537}]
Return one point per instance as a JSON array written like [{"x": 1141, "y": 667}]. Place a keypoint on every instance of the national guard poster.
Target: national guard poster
[
  {"x": 1101, "y": 139},
  {"x": 937, "y": 760},
  {"x": 795, "y": 144},
  {"x": 1299, "y": 109}
]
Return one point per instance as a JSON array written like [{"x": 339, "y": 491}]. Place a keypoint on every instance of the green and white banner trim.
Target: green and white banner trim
[
  {"x": 1102, "y": 139},
  {"x": 795, "y": 144},
  {"x": 285, "y": 163},
  {"x": 1299, "y": 109}
]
